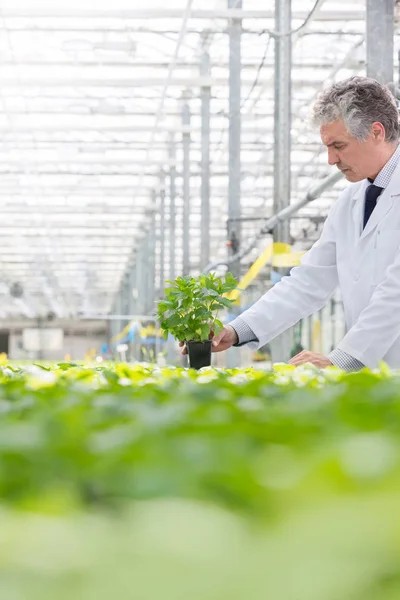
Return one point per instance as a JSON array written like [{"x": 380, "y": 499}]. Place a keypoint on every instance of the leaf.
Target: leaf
[
  {"x": 205, "y": 332},
  {"x": 219, "y": 306},
  {"x": 64, "y": 366},
  {"x": 173, "y": 320},
  {"x": 219, "y": 324},
  {"x": 165, "y": 304},
  {"x": 209, "y": 293},
  {"x": 110, "y": 376},
  {"x": 225, "y": 302},
  {"x": 228, "y": 287},
  {"x": 210, "y": 285},
  {"x": 229, "y": 277},
  {"x": 169, "y": 314},
  {"x": 186, "y": 302},
  {"x": 202, "y": 312}
]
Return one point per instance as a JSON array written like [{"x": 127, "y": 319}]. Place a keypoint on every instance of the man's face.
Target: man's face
[{"x": 357, "y": 160}]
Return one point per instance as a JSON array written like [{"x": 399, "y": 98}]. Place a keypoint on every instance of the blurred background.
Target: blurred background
[{"x": 142, "y": 141}]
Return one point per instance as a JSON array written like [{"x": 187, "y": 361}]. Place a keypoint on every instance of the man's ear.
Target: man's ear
[{"x": 378, "y": 131}]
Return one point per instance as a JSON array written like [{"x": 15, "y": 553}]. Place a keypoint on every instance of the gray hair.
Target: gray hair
[{"x": 359, "y": 102}]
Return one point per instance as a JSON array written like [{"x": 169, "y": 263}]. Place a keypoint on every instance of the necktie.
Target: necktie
[{"x": 371, "y": 196}]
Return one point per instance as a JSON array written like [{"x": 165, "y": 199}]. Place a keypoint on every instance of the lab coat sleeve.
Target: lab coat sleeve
[
  {"x": 378, "y": 326},
  {"x": 305, "y": 291}
]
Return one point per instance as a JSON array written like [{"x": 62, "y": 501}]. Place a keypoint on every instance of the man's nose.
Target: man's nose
[{"x": 333, "y": 158}]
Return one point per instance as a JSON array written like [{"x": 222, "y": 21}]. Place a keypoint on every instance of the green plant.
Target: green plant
[
  {"x": 191, "y": 305},
  {"x": 110, "y": 473}
]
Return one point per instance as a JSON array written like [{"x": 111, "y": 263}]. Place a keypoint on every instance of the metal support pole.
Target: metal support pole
[
  {"x": 162, "y": 243},
  {"x": 151, "y": 270},
  {"x": 234, "y": 189},
  {"x": 110, "y": 334},
  {"x": 140, "y": 280},
  {"x": 186, "y": 183},
  {"x": 234, "y": 170},
  {"x": 132, "y": 289},
  {"x": 283, "y": 114},
  {"x": 118, "y": 311},
  {"x": 131, "y": 301},
  {"x": 146, "y": 275},
  {"x": 281, "y": 348},
  {"x": 205, "y": 92},
  {"x": 172, "y": 221},
  {"x": 398, "y": 75},
  {"x": 125, "y": 297},
  {"x": 149, "y": 281},
  {"x": 172, "y": 215},
  {"x": 125, "y": 306},
  {"x": 380, "y": 40},
  {"x": 141, "y": 269},
  {"x": 161, "y": 257}
]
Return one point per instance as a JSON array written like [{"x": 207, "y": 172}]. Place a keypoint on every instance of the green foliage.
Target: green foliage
[
  {"x": 191, "y": 305},
  {"x": 136, "y": 481},
  {"x": 108, "y": 433}
]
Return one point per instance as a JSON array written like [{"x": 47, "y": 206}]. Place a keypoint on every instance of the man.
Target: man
[{"x": 359, "y": 245}]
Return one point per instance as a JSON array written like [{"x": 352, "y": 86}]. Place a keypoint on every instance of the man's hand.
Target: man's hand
[
  {"x": 224, "y": 340},
  {"x": 310, "y": 357}
]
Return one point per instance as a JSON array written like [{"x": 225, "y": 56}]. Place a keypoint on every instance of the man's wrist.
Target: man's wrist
[
  {"x": 236, "y": 338},
  {"x": 244, "y": 333},
  {"x": 344, "y": 361}
]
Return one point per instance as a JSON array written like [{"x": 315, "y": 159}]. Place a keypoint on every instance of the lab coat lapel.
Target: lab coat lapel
[
  {"x": 384, "y": 204},
  {"x": 358, "y": 207}
]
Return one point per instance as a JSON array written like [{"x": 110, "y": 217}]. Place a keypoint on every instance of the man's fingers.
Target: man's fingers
[
  {"x": 218, "y": 338},
  {"x": 296, "y": 363},
  {"x": 300, "y": 358},
  {"x": 307, "y": 357}
]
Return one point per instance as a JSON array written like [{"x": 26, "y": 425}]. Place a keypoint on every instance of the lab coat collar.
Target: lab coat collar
[{"x": 384, "y": 204}]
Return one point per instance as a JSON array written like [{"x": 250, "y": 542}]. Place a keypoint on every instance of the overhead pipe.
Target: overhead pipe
[{"x": 313, "y": 193}]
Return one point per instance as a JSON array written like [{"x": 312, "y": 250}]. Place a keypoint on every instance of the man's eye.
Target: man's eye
[{"x": 339, "y": 147}]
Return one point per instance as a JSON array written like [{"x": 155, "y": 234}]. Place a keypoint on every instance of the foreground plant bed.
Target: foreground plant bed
[
  {"x": 335, "y": 548},
  {"x": 139, "y": 482}
]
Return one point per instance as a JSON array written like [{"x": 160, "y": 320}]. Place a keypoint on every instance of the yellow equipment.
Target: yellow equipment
[{"x": 277, "y": 254}]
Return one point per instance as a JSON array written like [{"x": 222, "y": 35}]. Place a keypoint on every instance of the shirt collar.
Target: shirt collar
[{"x": 384, "y": 176}]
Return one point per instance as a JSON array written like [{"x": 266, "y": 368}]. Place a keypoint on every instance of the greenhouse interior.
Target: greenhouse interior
[
  {"x": 162, "y": 176},
  {"x": 140, "y": 144}
]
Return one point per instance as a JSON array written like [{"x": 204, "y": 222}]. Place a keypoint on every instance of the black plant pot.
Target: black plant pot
[{"x": 199, "y": 354}]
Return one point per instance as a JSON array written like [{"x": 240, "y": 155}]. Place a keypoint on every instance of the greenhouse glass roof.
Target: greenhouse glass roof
[{"x": 91, "y": 97}]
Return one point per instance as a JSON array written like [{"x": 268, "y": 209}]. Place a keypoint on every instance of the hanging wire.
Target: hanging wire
[
  {"x": 277, "y": 34},
  {"x": 271, "y": 34}
]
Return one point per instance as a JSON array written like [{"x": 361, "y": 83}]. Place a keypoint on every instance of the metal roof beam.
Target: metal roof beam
[
  {"x": 167, "y": 13},
  {"x": 104, "y": 145},
  {"x": 85, "y": 125},
  {"x": 139, "y": 82},
  {"x": 247, "y": 64}
]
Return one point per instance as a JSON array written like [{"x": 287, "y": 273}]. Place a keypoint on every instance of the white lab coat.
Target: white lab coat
[{"x": 365, "y": 264}]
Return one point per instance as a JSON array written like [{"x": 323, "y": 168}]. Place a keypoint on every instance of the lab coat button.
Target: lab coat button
[{"x": 356, "y": 276}]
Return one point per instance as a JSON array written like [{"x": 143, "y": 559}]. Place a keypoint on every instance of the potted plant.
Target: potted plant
[{"x": 189, "y": 312}]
